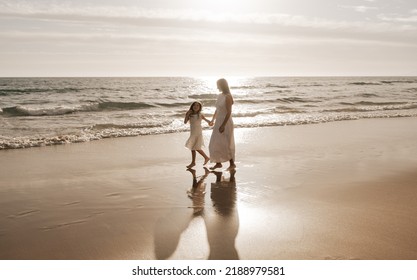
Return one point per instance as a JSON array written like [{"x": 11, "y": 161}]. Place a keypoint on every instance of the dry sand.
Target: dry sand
[{"x": 343, "y": 190}]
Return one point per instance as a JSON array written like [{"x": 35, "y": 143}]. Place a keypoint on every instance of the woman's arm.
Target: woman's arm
[
  {"x": 213, "y": 118},
  {"x": 229, "y": 102}
]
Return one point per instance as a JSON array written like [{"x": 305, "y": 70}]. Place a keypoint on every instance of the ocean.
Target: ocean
[{"x": 37, "y": 112}]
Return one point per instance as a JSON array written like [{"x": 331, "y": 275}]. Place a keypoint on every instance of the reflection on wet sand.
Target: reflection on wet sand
[
  {"x": 198, "y": 191},
  {"x": 220, "y": 218},
  {"x": 222, "y": 224}
]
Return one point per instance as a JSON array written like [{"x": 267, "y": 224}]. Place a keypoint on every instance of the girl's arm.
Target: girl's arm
[
  {"x": 204, "y": 118},
  {"x": 229, "y": 102},
  {"x": 187, "y": 116}
]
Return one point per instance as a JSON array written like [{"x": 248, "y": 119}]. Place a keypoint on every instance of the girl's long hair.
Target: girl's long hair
[{"x": 191, "y": 107}]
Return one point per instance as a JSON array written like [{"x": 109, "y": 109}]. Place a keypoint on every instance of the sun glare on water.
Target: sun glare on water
[{"x": 233, "y": 81}]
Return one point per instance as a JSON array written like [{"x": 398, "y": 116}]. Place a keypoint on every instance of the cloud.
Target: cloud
[
  {"x": 410, "y": 19},
  {"x": 81, "y": 34},
  {"x": 186, "y": 25},
  {"x": 360, "y": 9},
  {"x": 364, "y": 9},
  {"x": 133, "y": 14}
]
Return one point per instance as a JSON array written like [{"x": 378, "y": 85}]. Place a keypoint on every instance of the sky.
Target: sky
[{"x": 208, "y": 38}]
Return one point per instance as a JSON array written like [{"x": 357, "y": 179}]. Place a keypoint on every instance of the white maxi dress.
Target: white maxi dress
[{"x": 222, "y": 145}]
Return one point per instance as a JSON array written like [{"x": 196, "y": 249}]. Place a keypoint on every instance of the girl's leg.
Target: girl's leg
[
  {"x": 206, "y": 158},
  {"x": 193, "y": 154}
]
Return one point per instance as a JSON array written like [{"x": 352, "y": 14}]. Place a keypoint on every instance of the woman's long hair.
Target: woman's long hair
[{"x": 223, "y": 85}]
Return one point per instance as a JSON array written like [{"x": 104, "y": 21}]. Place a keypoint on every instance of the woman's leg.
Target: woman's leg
[
  {"x": 217, "y": 165},
  {"x": 232, "y": 164}
]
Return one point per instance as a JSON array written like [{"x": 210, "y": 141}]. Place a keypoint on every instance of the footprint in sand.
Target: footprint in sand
[
  {"x": 71, "y": 203},
  {"x": 339, "y": 258},
  {"x": 64, "y": 225},
  {"x": 113, "y": 194},
  {"x": 23, "y": 213}
]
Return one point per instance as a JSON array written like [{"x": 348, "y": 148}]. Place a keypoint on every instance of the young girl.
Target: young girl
[{"x": 195, "y": 142}]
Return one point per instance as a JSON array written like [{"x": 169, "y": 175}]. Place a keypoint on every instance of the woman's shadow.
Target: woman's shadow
[{"x": 221, "y": 218}]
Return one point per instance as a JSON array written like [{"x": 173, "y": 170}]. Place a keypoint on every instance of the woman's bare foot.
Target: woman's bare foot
[
  {"x": 231, "y": 167},
  {"x": 217, "y": 165}
]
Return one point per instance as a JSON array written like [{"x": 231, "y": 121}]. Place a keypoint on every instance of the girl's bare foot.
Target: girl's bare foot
[
  {"x": 218, "y": 165},
  {"x": 206, "y": 161},
  {"x": 191, "y": 165}
]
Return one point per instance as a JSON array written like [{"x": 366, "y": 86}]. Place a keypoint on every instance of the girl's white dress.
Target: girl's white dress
[
  {"x": 222, "y": 145},
  {"x": 195, "y": 141}
]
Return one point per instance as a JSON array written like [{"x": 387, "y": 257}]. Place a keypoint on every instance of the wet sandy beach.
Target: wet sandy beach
[{"x": 342, "y": 190}]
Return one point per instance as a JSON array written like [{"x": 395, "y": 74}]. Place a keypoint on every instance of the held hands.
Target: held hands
[{"x": 221, "y": 128}]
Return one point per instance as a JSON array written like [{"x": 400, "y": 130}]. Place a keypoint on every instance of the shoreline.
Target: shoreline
[
  {"x": 340, "y": 190},
  {"x": 49, "y": 141}
]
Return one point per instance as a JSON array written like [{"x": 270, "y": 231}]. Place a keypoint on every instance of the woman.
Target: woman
[{"x": 222, "y": 141}]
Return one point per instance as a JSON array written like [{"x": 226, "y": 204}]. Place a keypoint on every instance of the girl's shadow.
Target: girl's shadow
[{"x": 221, "y": 218}]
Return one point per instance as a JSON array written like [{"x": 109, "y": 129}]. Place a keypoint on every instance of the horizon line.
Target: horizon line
[{"x": 206, "y": 76}]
